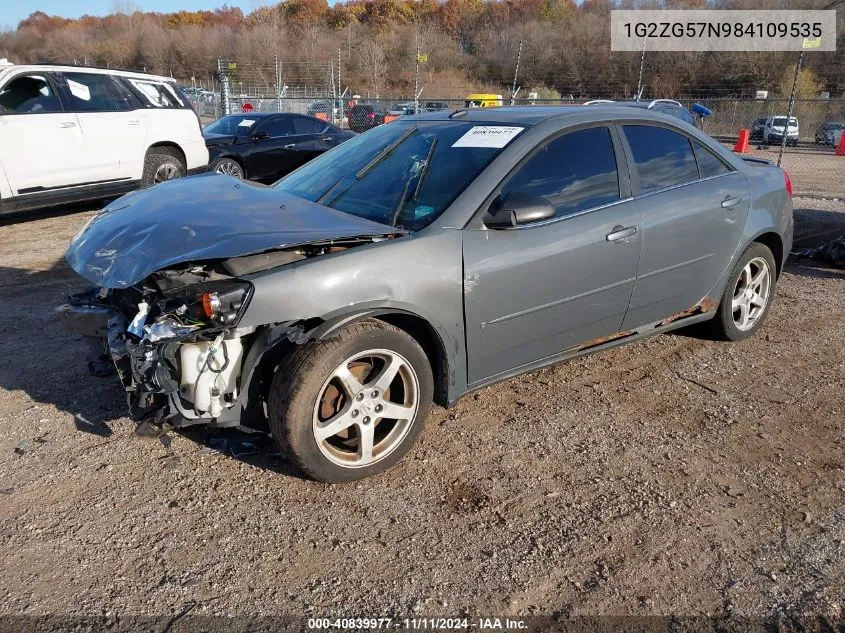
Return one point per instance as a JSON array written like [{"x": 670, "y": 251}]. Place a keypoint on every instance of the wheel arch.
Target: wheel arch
[
  {"x": 773, "y": 241},
  {"x": 173, "y": 148},
  {"x": 274, "y": 342},
  {"x": 414, "y": 325}
]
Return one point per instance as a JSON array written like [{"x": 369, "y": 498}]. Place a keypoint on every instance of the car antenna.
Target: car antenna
[{"x": 458, "y": 113}]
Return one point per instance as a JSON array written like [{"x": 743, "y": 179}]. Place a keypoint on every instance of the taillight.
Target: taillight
[
  {"x": 371, "y": 115},
  {"x": 788, "y": 183}
]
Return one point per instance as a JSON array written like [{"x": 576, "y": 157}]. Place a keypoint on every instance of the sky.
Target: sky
[{"x": 12, "y": 12}]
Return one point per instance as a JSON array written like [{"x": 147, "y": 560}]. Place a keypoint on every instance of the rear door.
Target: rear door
[
  {"x": 41, "y": 145},
  {"x": 312, "y": 138},
  {"x": 693, "y": 206},
  {"x": 112, "y": 135},
  {"x": 540, "y": 289}
]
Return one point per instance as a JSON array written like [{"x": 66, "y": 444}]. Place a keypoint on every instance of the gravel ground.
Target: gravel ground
[{"x": 671, "y": 476}]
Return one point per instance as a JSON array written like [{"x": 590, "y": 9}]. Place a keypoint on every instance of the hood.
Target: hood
[
  {"x": 218, "y": 139},
  {"x": 200, "y": 218}
]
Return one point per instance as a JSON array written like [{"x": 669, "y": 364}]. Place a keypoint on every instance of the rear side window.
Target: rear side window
[
  {"x": 303, "y": 125},
  {"x": 663, "y": 158},
  {"x": 157, "y": 94},
  {"x": 89, "y": 92},
  {"x": 709, "y": 164},
  {"x": 575, "y": 172}
]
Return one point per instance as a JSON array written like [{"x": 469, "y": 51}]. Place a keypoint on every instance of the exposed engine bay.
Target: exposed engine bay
[{"x": 173, "y": 338}]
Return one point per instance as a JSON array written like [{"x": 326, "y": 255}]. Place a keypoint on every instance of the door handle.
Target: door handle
[
  {"x": 67, "y": 124},
  {"x": 290, "y": 146},
  {"x": 730, "y": 202},
  {"x": 620, "y": 232}
]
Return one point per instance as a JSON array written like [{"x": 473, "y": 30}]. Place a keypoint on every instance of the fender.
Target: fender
[{"x": 298, "y": 333}]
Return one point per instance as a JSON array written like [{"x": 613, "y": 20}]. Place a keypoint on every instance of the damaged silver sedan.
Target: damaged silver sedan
[{"x": 418, "y": 262}]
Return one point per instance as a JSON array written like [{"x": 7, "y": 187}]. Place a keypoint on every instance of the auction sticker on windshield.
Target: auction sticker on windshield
[
  {"x": 246, "y": 123},
  {"x": 488, "y": 136}
]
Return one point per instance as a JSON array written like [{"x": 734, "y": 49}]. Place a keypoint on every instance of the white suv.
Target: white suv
[
  {"x": 69, "y": 134},
  {"x": 774, "y": 129}
]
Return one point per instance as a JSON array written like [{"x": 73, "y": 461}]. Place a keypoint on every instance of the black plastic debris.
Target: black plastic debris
[{"x": 832, "y": 252}]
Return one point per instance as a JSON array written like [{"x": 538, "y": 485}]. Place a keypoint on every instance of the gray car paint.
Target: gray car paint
[
  {"x": 455, "y": 274},
  {"x": 423, "y": 274}
]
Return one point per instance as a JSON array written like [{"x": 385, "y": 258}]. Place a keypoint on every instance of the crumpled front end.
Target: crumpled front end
[{"x": 173, "y": 341}]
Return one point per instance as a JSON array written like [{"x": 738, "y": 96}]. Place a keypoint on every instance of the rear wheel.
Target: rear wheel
[
  {"x": 353, "y": 405},
  {"x": 748, "y": 295},
  {"x": 160, "y": 165}
]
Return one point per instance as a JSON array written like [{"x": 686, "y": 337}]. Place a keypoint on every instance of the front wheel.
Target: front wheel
[
  {"x": 228, "y": 167},
  {"x": 748, "y": 295},
  {"x": 353, "y": 405}
]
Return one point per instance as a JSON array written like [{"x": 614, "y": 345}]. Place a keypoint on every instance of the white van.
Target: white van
[
  {"x": 773, "y": 130},
  {"x": 69, "y": 133}
]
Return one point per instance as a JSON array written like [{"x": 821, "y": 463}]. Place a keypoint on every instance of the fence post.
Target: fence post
[{"x": 791, "y": 105}]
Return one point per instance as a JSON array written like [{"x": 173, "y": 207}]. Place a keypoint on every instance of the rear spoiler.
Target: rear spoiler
[{"x": 758, "y": 161}]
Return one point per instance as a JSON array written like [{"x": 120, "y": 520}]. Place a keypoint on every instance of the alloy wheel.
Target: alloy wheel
[
  {"x": 365, "y": 408},
  {"x": 229, "y": 168},
  {"x": 165, "y": 172},
  {"x": 751, "y": 294}
]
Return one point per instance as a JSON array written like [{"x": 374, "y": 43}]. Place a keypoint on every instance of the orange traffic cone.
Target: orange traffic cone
[
  {"x": 742, "y": 146},
  {"x": 840, "y": 150}
]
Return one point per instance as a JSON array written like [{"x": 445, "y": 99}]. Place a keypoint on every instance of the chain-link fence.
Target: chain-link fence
[{"x": 809, "y": 156}]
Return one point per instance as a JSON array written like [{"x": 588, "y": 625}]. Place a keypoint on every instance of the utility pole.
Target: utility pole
[
  {"x": 640, "y": 80},
  {"x": 516, "y": 73},
  {"x": 417, "y": 82},
  {"x": 339, "y": 103},
  {"x": 791, "y": 105}
]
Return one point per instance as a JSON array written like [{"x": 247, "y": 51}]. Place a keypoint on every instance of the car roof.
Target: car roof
[
  {"x": 16, "y": 68},
  {"x": 532, "y": 115}
]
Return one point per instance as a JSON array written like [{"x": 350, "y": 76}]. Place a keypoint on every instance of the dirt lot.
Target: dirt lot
[{"x": 675, "y": 475}]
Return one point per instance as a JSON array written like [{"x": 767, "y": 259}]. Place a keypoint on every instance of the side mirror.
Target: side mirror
[
  {"x": 260, "y": 136},
  {"x": 517, "y": 208}
]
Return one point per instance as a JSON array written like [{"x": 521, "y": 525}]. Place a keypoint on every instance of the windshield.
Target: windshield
[
  {"x": 235, "y": 124},
  {"x": 403, "y": 174},
  {"x": 781, "y": 121}
]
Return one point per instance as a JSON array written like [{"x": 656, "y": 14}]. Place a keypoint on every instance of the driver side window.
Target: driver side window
[
  {"x": 29, "y": 94},
  {"x": 574, "y": 172},
  {"x": 276, "y": 127}
]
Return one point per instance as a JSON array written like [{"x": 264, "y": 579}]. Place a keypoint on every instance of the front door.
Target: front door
[
  {"x": 535, "y": 291},
  {"x": 41, "y": 145},
  {"x": 694, "y": 207}
]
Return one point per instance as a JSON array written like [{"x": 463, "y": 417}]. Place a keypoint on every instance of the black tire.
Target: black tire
[
  {"x": 158, "y": 161},
  {"x": 234, "y": 166},
  {"x": 301, "y": 378},
  {"x": 723, "y": 326}
]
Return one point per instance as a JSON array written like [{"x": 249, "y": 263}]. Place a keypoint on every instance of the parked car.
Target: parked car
[
  {"x": 421, "y": 261},
  {"x": 829, "y": 132},
  {"x": 669, "y": 107},
  {"x": 400, "y": 109},
  {"x": 757, "y": 129},
  {"x": 435, "y": 106},
  {"x": 265, "y": 146},
  {"x": 366, "y": 116},
  {"x": 70, "y": 133},
  {"x": 773, "y": 131}
]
